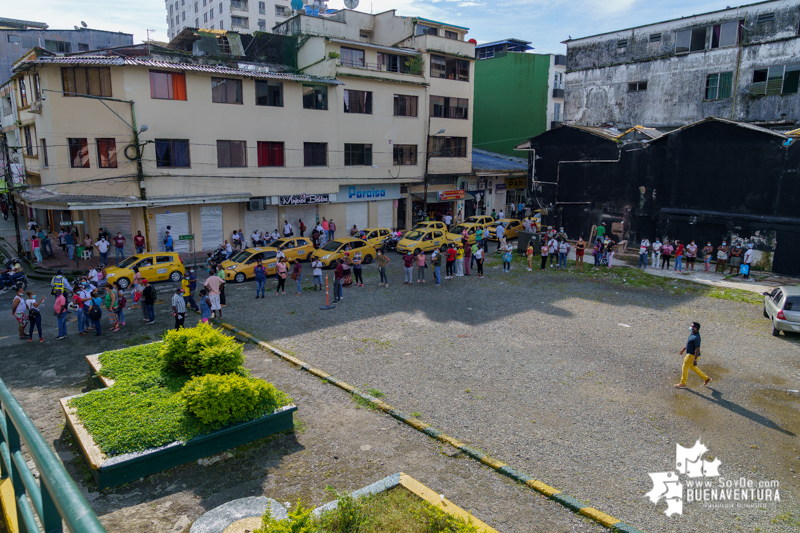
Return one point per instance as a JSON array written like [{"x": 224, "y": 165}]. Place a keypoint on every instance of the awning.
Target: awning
[
  {"x": 433, "y": 198},
  {"x": 42, "y": 198}
]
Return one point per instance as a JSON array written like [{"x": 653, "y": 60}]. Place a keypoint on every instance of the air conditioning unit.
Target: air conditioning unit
[
  {"x": 256, "y": 204},
  {"x": 36, "y": 107}
]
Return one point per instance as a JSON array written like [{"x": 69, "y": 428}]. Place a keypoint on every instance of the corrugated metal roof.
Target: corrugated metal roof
[
  {"x": 608, "y": 133},
  {"x": 486, "y": 160},
  {"x": 121, "y": 61},
  {"x": 745, "y": 125}
]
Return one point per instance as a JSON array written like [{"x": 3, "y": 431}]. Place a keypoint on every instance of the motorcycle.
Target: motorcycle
[
  {"x": 218, "y": 255},
  {"x": 390, "y": 243},
  {"x": 15, "y": 281}
]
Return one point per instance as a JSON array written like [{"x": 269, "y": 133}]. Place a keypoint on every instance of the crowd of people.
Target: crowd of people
[{"x": 737, "y": 257}]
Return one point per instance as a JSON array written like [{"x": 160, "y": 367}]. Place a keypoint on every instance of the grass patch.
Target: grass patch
[
  {"x": 136, "y": 339},
  {"x": 362, "y": 402},
  {"x": 396, "y": 510},
  {"x": 376, "y": 393},
  {"x": 736, "y": 295}
]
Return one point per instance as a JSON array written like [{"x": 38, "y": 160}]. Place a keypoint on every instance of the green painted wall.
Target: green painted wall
[{"x": 510, "y": 101}]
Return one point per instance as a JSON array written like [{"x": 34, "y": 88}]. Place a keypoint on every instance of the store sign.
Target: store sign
[
  {"x": 501, "y": 187},
  {"x": 516, "y": 183},
  {"x": 304, "y": 199},
  {"x": 366, "y": 193},
  {"x": 447, "y": 196}
]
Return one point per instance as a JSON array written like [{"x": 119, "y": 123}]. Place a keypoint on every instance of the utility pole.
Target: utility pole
[
  {"x": 140, "y": 177},
  {"x": 9, "y": 198},
  {"x": 428, "y": 154}
]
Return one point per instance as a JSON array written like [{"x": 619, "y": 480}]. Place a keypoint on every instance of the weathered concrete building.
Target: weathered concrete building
[{"x": 739, "y": 63}]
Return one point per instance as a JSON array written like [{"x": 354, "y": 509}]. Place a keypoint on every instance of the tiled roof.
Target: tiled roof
[
  {"x": 122, "y": 61},
  {"x": 485, "y": 160}
]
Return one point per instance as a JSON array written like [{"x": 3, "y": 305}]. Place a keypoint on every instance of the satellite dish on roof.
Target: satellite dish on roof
[
  {"x": 84, "y": 24},
  {"x": 76, "y": 28},
  {"x": 297, "y": 5},
  {"x": 351, "y": 4}
]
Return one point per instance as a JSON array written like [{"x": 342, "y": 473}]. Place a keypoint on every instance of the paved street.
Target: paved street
[{"x": 565, "y": 378}]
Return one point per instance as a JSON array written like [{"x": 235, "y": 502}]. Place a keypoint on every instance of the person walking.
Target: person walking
[
  {"x": 692, "y": 351},
  {"x": 60, "y": 309},
  {"x": 138, "y": 242},
  {"x": 451, "y": 261},
  {"x": 644, "y": 248},
  {"x": 34, "y": 315},
  {"x": 47, "y": 245},
  {"x": 507, "y": 257},
  {"x": 261, "y": 278},
  {"x": 316, "y": 271},
  {"x": 212, "y": 285},
  {"x": 478, "y": 253},
  {"x": 69, "y": 240},
  {"x": 408, "y": 268},
  {"x": 119, "y": 247},
  {"x": 281, "y": 269},
  {"x": 679, "y": 256},
  {"x": 188, "y": 292},
  {"x": 205, "y": 306},
  {"x": 102, "y": 246},
  {"x": 666, "y": 254},
  {"x": 421, "y": 266},
  {"x": 436, "y": 261},
  {"x": 96, "y": 312},
  {"x": 467, "y": 255},
  {"x": 168, "y": 242},
  {"x": 36, "y": 246},
  {"x": 691, "y": 254},
  {"x": 19, "y": 310},
  {"x": 722, "y": 257},
  {"x": 501, "y": 237},
  {"x": 459, "y": 268},
  {"x": 383, "y": 260},
  {"x": 297, "y": 274},
  {"x": 338, "y": 276},
  {"x": 707, "y": 251},
  {"x": 657, "y": 253},
  {"x": 136, "y": 287},
  {"x": 178, "y": 308}
]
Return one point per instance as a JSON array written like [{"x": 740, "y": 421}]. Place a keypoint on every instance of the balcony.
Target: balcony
[
  {"x": 239, "y": 5},
  {"x": 397, "y": 67},
  {"x": 240, "y": 23},
  {"x": 558, "y": 93}
]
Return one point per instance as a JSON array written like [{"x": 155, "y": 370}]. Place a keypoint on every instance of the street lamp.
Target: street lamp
[{"x": 427, "y": 160}]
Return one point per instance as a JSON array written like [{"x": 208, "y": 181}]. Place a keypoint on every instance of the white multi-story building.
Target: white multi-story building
[{"x": 243, "y": 16}]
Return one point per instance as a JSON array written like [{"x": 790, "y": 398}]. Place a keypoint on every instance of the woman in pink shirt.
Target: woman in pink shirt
[
  {"x": 36, "y": 247},
  {"x": 421, "y": 267},
  {"x": 281, "y": 270}
]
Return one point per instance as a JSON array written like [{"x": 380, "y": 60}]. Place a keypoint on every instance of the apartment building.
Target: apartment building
[
  {"x": 738, "y": 63},
  {"x": 19, "y": 36},
  {"x": 243, "y": 16},
  {"x": 233, "y": 143}
]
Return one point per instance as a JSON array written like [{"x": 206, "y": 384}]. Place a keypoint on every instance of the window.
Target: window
[
  {"x": 450, "y": 35},
  {"x": 196, "y": 7},
  {"x": 106, "y": 153},
  {"x": 394, "y": 63},
  {"x": 315, "y": 154},
  {"x": 405, "y": 106},
  {"x": 196, "y": 23},
  {"x": 357, "y": 102},
  {"x": 655, "y": 37},
  {"x": 557, "y": 112},
  {"x": 262, "y": 8},
  {"x": 718, "y": 86},
  {"x": 92, "y": 81},
  {"x": 13, "y": 39},
  {"x": 446, "y": 107},
  {"x": 269, "y": 93},
  {"x": 29, "y": 136},
  {"x": 183, "y": 16},
  {"x": 791, "y": 77},
  {"x": 23, "y": 93},
  {"x": 725, "y": 34},
  {"x": 282, "y": 11},
  {"x": 404, "y": 154},
  {"x": 450, "y": 68},
  {"x": 352, "y": 57},
  {"x": 637, "y": 86},
  {"x": 776, "y": 80},
  {"x": 231, "y": 154},
  {"x": 205, "y": 17},
  {"x": 43, "y": 154},
  {"x": 78, "y": 153},
  {"x": 60, "y": 47},
  {"x": 238, "y": 22},
  {"x": 226, "y": 91},
  {"x": 211, "y": 13},
  {"x": 765, "y": 17},
  {"x": 690, "y": 40},
  {"x": 220, "y": 9},
  {"x": 220, "y": 24},
  {"x": 357, "y": 155},
  {"x": 83, "y": 47},
  {"x": 262, "y": 25},
  {"x": 167, "y": 85},
  {"x": 172, "y": 153},
  {"x": 422, "y": 29},
  {"x": 365, "y": 35},
  {"x": 205, "y": 2},
  {"x": 270, "y": 154},
  {"x": 622, "y": 43},
  {"x": 238, "y": 4},
  {"x": 448, "y": 147},
  {"x": 315, "y": 97}
]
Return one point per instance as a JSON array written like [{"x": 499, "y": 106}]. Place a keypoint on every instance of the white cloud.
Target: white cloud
[{"x": 469, "y": 4}]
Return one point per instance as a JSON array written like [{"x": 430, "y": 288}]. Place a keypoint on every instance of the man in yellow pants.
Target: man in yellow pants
[{"x": 690, "y": 361}]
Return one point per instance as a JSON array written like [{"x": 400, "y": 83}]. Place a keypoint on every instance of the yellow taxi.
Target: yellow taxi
[
  {"x": 441, "y": 226},
  {"x": 423, "y": 240},
  {"x": 155, "y": 266},
  {"x": 375, "y": 236},
  {"x": 512, "y": 228},
  {"x": 457, "y": 233},
  {"x": 241, "y": 264},
  {"x": 336, "y": 249},
  {"x": 483, "y": 220},
  {"x": 294, "y": 248}
]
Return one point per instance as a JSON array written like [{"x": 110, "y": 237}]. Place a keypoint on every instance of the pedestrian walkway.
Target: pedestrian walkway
[{"x": 714, "y": 280}]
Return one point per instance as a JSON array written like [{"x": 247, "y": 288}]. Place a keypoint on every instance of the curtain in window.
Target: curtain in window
[
  {"x": 163, "y": 154},
  {"x": 107, "y": 153},
  {"x": 725, "y": 84},
  {"x": 180, "y": 153}
]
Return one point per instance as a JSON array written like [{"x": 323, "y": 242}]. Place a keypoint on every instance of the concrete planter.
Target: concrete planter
[{"x": 110, "y": 472}]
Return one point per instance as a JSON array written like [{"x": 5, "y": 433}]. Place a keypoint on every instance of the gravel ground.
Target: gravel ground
[{"x": 539, "y": 370}]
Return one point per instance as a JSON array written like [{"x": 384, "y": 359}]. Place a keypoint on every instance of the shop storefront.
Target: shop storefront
[
  {"x": 440, "y": 204},
  {"x": 368, "y": 206}
]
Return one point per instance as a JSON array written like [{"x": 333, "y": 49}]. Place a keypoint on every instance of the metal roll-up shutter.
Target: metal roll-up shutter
[
  {"x": 211, "y": 226},
  {"x": 179, "y": 225},
  {"x": 114, "y": 220},
  {"x": 358, "y": 214},
  {"x": 385, "y": 213}
]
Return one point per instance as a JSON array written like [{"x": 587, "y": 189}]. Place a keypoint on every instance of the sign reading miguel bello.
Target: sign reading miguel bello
[
  {"x": 448, "y": 196},
  {"x": 303, "y": 199}
]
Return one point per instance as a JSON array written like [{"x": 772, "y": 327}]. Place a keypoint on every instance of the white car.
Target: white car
[{"x": 782, "y": 306}]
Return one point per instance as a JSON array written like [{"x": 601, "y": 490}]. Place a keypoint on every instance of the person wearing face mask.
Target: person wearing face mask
[
  {"x": 34, "y": 316},
  {"x": 19, "y": 310},
  {"x": 657, "y": 253},
  {"x": 747, "y": 262},
  {"x": 736, "y": 258},
  {"x": 707, "y": 251},
  {"x": 692, "y": 351},
  {"x": 691, "y": 254},
  {"x": 722, "y": 257}
]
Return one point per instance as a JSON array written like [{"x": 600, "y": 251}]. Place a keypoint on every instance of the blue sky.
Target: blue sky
[{"x": 543, "y": 22}]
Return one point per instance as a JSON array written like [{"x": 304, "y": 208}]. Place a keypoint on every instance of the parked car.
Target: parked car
[
  {"x": 423, "y": 240},
  {"x": 294, "y": 248},
  {"x": 241, "y": 264},
  {"x": 155, "y": 266},
  {"x": 483, "y": 220},
  {"x": 511, "y": 226},
  {"x": 375, "y": 236},
  {"x": 336, "y": 249},
  {"x": 782, "y": 306},
  {"x": 430, "y": 225}
]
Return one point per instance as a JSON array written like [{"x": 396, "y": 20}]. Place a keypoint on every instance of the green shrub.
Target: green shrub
[
  {"x": 218, "y": 400},
  {"x": 300, "y": 521},
  {"x": 201, "y": 350}
]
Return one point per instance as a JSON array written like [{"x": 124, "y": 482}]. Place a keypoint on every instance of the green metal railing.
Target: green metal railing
[{"x": 55, "y": 496}]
